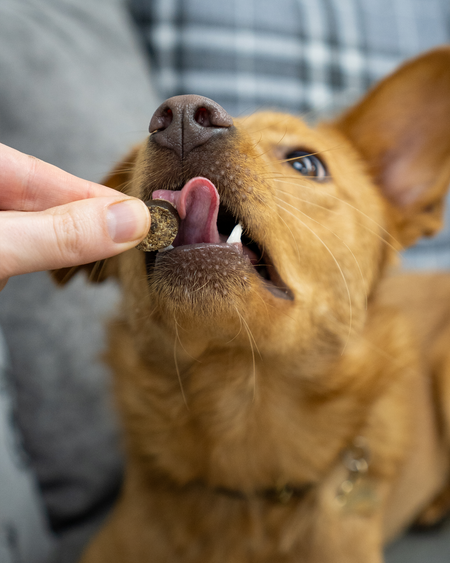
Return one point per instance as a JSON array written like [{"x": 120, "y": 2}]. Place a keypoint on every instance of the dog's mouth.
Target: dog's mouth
[{"x": 216, "y": 235}]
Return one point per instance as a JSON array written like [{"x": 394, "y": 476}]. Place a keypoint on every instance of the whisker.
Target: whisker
[
  {"x": 292, "y": 234},
  {"x": 240, "y": 329},
  {"x": 309, "y": 154},
  {"x": 252, "y": 345},
  {"x": 257, "y": 143},
  {"x": 339, "y": 238},
  {"x": 182, "y": 345},
  {"x": 176, "y": 363},
  {"x": 339, "y": 268},
  {"x": 125, "y": 169},
  {"x": 264, "y": 302},
  {"x": 143, "y": 317},
  {"x": 201, "y": 287},
  {"x": 386, "y": 232}
]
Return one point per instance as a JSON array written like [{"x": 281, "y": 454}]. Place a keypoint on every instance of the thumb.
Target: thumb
[{"x": 69, "y": 235}]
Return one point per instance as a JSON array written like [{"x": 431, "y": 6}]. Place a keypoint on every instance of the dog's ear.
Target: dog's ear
[
  {"x": 402, "y": 130},
  {"x": 118, "y": 179}
]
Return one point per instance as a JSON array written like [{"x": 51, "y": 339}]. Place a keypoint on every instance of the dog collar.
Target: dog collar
[
  {"x": 357, "y": 493},
  {"x": 282, "y": 494}
]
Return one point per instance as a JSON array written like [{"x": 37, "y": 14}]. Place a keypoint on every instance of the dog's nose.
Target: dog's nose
[{"x": 183, "y": 123}]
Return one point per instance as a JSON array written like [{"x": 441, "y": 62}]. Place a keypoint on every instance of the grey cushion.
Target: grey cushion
[
  {"x": 64, "y": 410},
  {"x": 74, "y": 91},
  {"x": 74, "y": 86},
  {"x": 24, "y": 535}
]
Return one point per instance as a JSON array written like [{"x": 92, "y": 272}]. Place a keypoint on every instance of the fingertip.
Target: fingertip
[{"x": 128, "y": 220}]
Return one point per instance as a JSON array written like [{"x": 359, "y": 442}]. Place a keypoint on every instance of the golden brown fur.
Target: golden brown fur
[{"x": 229, "y": 393}]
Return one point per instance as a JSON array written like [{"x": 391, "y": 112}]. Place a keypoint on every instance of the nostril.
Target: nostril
[
  {"x": 203, "y": 117},
  {"x": 161, "y": 120},
  {"x": 183, "y": 123},
  {"x": 212, "y": 115},
  {"x": 168, "y": 115}
]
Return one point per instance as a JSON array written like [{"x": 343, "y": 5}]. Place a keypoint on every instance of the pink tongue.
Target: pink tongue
[{"x": 197, "y": 205}]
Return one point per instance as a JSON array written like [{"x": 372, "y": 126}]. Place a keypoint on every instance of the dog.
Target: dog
[{"x": 284, "y": 396}]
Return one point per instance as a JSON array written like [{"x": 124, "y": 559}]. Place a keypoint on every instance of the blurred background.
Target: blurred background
[{"x": 80, "y": 81}]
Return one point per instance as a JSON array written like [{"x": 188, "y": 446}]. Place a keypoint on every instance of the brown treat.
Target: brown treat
[{"x": 164, "y": 227}]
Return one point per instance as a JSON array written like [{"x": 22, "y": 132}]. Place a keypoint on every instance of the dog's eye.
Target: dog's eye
[{"x": 307, "y": 164}]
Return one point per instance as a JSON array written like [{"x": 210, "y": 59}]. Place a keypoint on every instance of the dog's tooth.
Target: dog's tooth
[
  {"x": 166, "y": 248},
  {"x": 236, "y": 234}
]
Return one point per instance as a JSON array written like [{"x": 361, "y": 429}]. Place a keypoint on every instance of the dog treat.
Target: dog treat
[{"x": 164, "y": 228}]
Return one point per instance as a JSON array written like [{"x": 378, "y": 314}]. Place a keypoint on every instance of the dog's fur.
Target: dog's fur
[{"x": 241, "y": 408}]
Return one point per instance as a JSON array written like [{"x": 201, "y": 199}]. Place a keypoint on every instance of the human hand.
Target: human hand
[{"x": 50, "y": 219}]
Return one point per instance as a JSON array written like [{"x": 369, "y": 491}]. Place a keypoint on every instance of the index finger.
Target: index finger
[{"x": 29, "y": 184}]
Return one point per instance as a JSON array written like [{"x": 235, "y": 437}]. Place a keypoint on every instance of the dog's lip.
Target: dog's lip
[
  {"x": 198, "y": 204},
  {"x": 198, "y": 246},
  {"x": 275, "y": 285}
]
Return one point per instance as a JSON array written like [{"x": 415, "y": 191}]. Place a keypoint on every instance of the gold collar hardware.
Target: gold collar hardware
[{"x": 357, "y": 492}]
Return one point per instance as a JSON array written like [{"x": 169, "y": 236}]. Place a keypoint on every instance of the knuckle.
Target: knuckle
[{"x": 70, "y": 235}]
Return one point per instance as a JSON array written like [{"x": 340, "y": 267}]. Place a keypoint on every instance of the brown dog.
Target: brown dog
[{"x": 282, "y": 399}]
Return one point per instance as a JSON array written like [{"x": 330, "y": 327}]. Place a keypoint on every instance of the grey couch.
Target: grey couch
[{"x": 75, "y": 92}]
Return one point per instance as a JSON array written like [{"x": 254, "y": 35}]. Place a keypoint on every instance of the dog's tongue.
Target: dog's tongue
[{"x": 197, "y": 205}]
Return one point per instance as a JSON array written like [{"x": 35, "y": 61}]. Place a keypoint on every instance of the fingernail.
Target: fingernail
[{"x": 127, "y": 220}]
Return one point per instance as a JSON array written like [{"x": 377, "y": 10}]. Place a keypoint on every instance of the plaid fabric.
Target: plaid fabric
[
  {"x": 297, "y": 55},
  {"x": 313, "y": 57}
]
